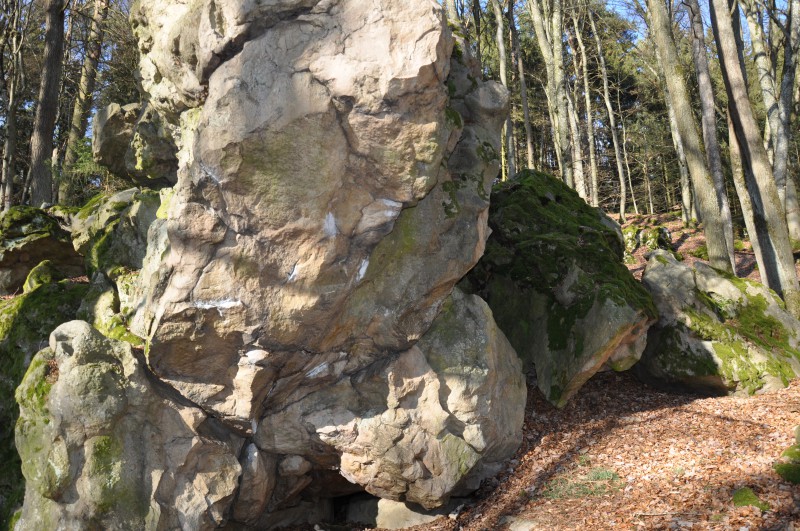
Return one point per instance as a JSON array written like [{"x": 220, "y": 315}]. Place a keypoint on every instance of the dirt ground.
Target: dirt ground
[{"x": 625, "y": 456}]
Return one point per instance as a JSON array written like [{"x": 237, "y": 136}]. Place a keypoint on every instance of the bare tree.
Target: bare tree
[
  {"x": 612, "y": 121},
  {"x": 709, "y": 122},
  {"x": 768, "y": 215},
  {"x": 85, "y": 95},
  {"x": 706, "y": 194},
  {"x": 40, "y": 174}
]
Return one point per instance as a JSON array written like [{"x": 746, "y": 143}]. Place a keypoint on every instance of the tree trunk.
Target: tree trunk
[
  {"x": 509, "y": 169},
  {"x": 10, "y": 144},
  {"x": 709, "y": 121},
  {"x": 577, "y": 155},
  {"x": 612, "y": 121},
  {"x": 549, "y": 31},
  {"x": 687, "y": 202},
  {"x": 770, "y": 228},
  {"x": 661, "y": 28},
  {"x": 85, "y": 96},
  {"x": 626, "y": 158},
  {"x": 589, "y": 114},
  {"x": 739, "y": 182},
  {"x": 523, "y": 91},
  {"x": 778, "y": 99},
  {"x": 476, "y": 20},
  {"x": 40, "y": 175}
]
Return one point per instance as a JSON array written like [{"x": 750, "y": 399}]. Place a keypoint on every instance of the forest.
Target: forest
[
  {"x": 378, "y": 262},
  {"x": 639, "y": 108}
]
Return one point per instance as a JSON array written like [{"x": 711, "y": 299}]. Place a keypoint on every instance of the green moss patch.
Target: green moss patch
[{"x": 746, "y": 497}]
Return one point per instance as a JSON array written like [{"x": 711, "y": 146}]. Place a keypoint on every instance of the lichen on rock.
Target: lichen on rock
[
  {"x": 87, "y": 466},
  {"x": 554, "y": 278},
  {"x": 27, "y": 237},
  {"x": 25, "y": 324},
  {"x": 717, "y": 334}
]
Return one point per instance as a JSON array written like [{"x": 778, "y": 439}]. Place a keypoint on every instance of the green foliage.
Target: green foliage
[
  {"x": 86, "y": 178},
  {"x": 700, "y": 252},
  {"x": 746, "y": 497}
]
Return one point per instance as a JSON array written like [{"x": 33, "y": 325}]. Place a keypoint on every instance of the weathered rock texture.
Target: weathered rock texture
[
  {"x": 135, "y": 143},
  {"x": 333, "y": 186},
  {"x": 554, "y": 278},
  {"x": 27, "y": 237},
  {"x": 717, "y": 334},
  {"x": 25, "y": 324},
  {"x": 102, "y": 448},
  {"x": 315, "y": 212}
]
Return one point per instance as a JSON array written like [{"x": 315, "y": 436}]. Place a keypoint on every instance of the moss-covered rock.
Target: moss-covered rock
[
  {"x": 553, "y": 275},
  {"x": 27, "y": 237},
  {"x": 111, "y": 231},
  {"x": 44, "y": 273},
  {"x": 25, "y": 324},
  {"x": 99, "y": 444},
  {"x": 102, "y": 307},
  {"x": 717, "y": 334}
]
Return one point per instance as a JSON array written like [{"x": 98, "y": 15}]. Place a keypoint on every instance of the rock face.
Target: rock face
[
  {"x": 298, "y": 299},
  {"x": 554, "y": 278},
  {"x": 136, "y": 144},
  {"x": 27, "y": 237},
  {"x": 717, "y": 334},
  {"x": 325, "y": 219},
  {"x": 102, "y": 448},
  {"x": 25, "y": 324},
  {"x": 450, "y": 413}
]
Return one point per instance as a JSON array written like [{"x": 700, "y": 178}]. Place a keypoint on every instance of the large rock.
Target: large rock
[
  {"x": 29, "y": 236},
  {"x": 554, "y": 278},
  {"x": 135, "y": 143},
  {"x": 112, "y": 232},
  {"x": 25, "y": 324},
  {"x": 104, "y": 447},
  {"x": 335, "y": 168},
  {"x": 325, "y": 219},
  {"x": 430, "y": 422},
  {"x": 717, "y": 334}
]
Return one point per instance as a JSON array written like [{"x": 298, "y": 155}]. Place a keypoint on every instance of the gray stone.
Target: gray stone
[
  {"x": 135, "y": 144},
  {"x": 717, "y": 334},
  {"x": 86, "y": 408}
]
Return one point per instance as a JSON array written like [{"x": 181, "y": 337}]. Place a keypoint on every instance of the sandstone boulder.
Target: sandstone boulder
[
  {"x": 111, "y": 230},
  {"x": 25, "y": 324},
  {"x": 430, "y": 422},
  {"x": 27, "y": 237},
  {"x": 135, "y": 143},
  {"x": 554, "y": 278},
  {"x": 298, "y": 298},
  {"x": 717, "y": 334},
  {"x": 102, "y": 447},
  {"x": 334, "y": 218}
]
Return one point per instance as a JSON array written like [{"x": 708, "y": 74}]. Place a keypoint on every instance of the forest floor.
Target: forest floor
[
  {"x": 687, "y": 241},
  {"x": 622, "y": 455}
]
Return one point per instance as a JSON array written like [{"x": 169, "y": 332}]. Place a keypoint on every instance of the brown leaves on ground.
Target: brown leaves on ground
[{"x": 668, "y": 461}]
